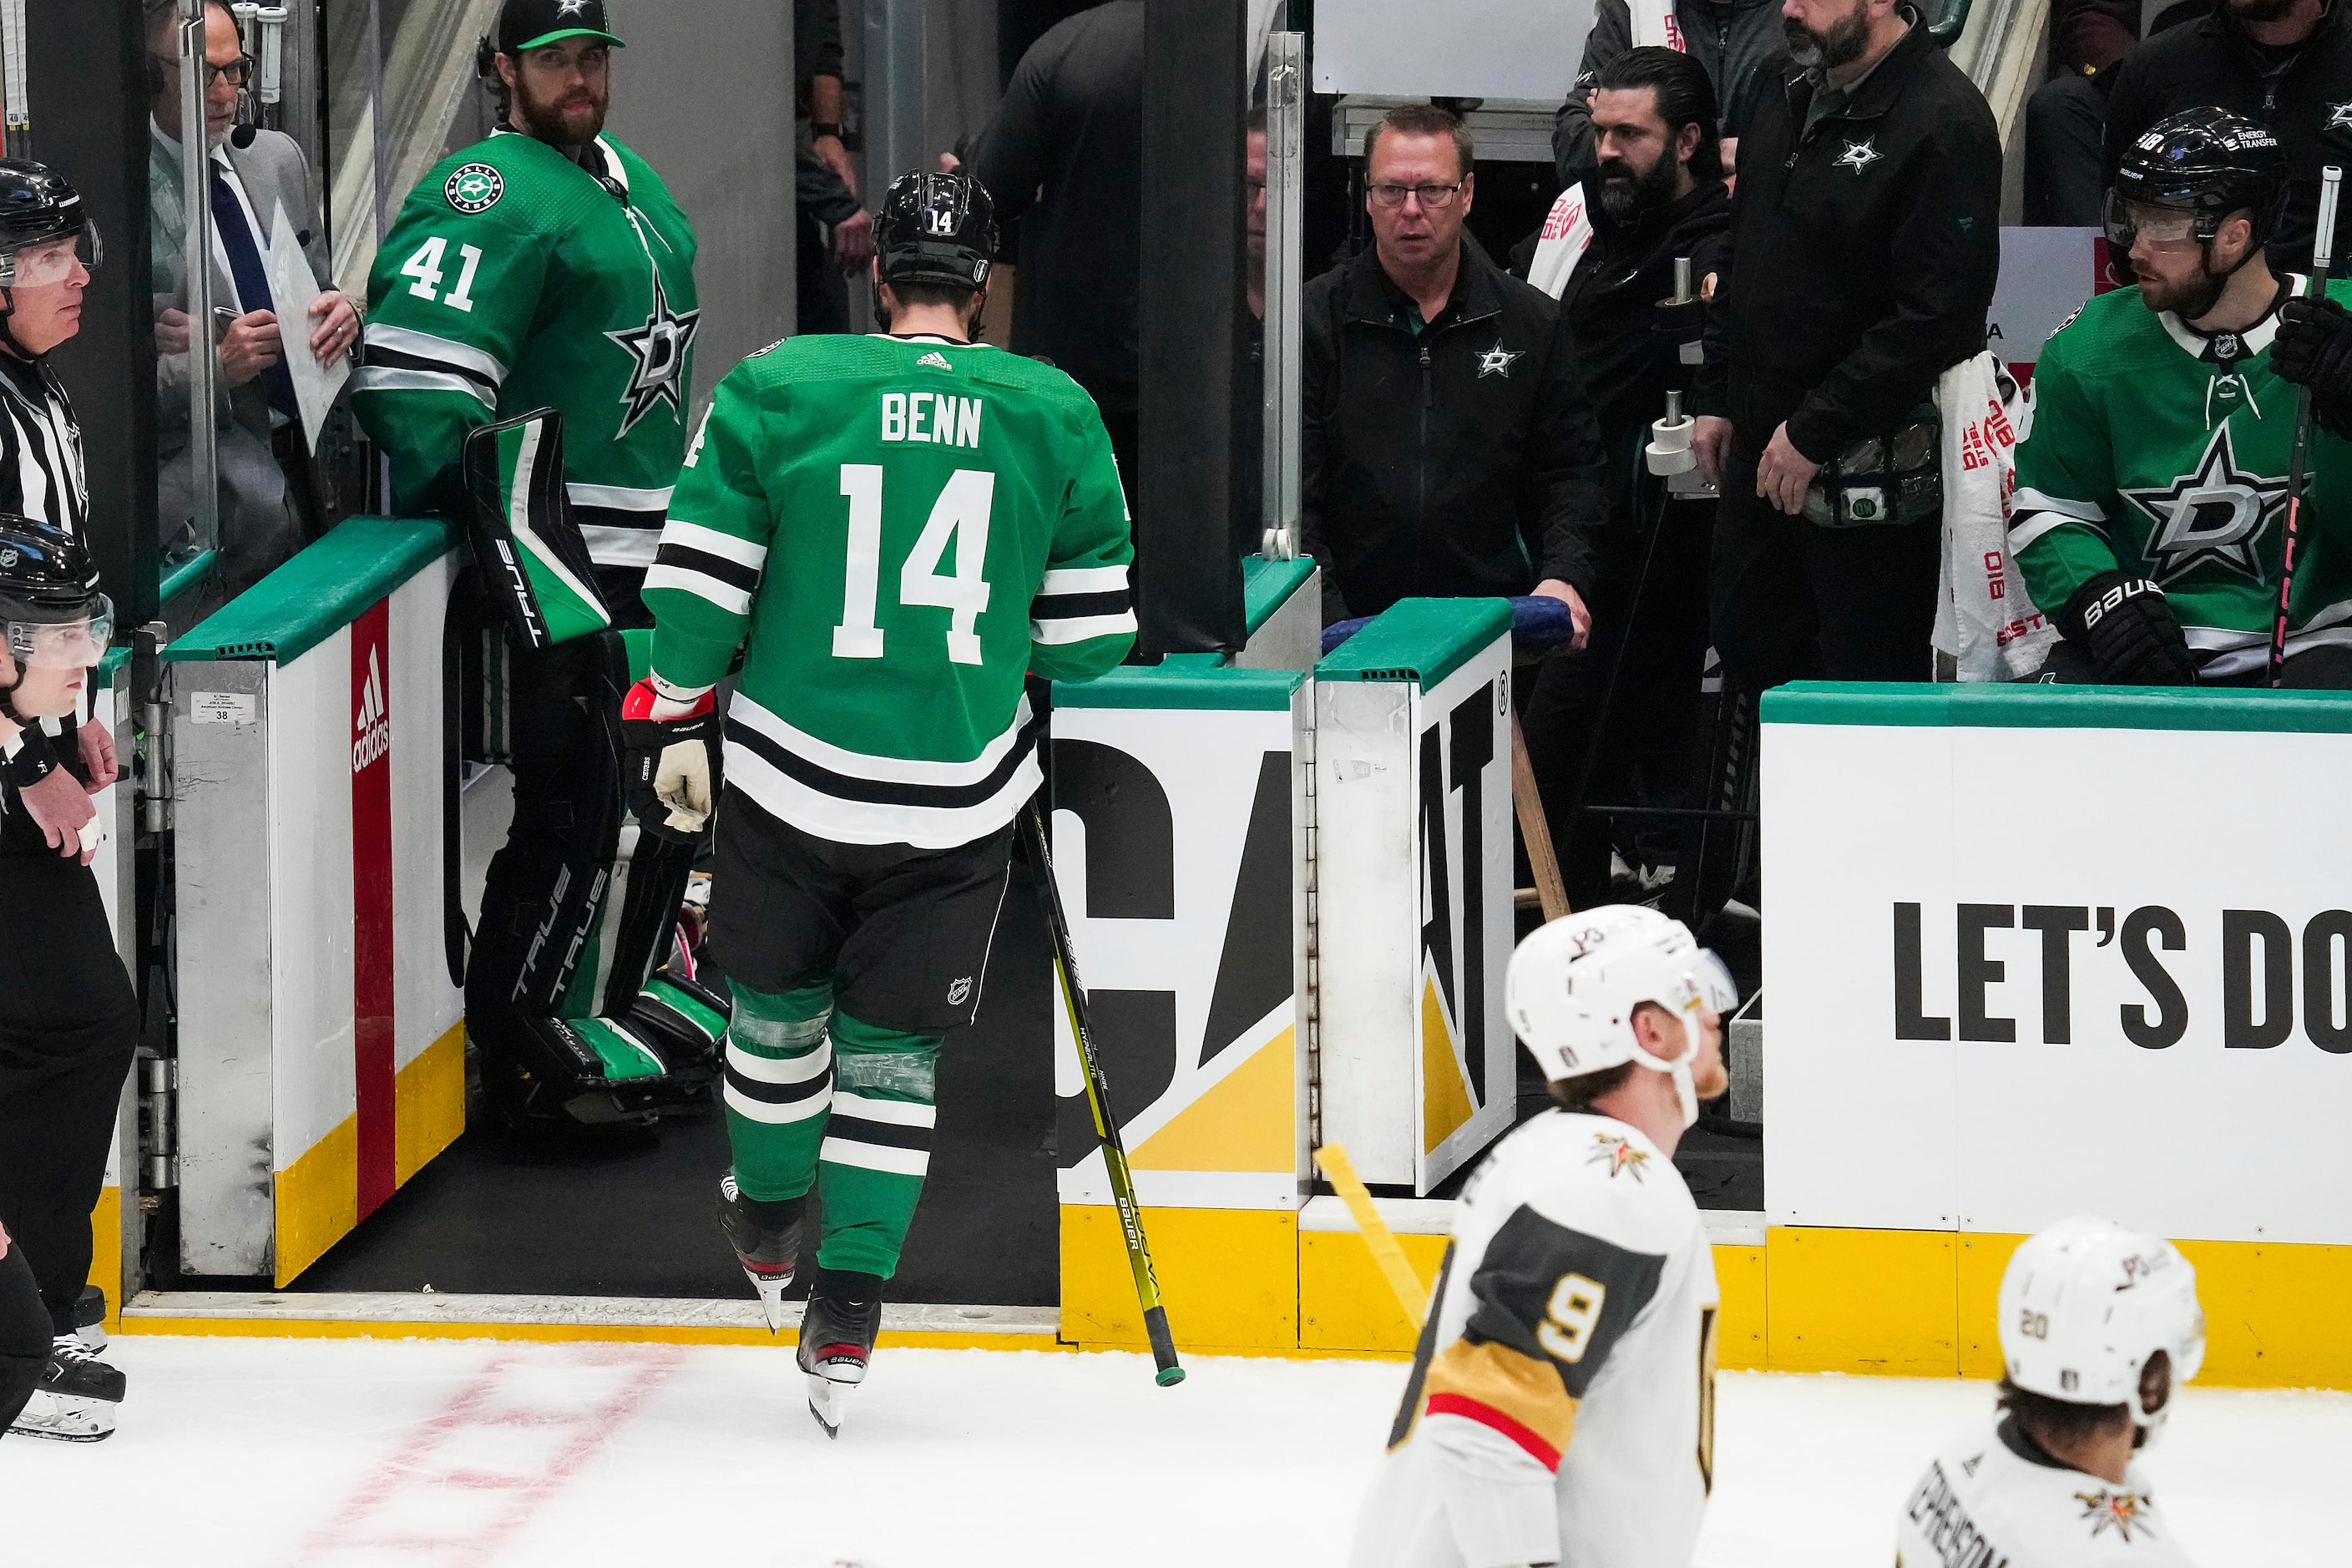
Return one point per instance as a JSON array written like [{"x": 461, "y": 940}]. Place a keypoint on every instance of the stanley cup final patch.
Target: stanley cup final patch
[{"x": 474, "y": 189}]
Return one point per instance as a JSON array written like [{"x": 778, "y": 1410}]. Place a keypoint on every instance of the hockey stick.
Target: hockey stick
[
  {"x": 2331, "y": 184},
  {"x": 1114, "y": 1148},
  {"x": 1341, "y": 1172}
]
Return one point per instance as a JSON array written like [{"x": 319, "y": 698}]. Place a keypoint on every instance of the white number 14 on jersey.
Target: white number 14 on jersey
[{"x": 962, "y": 513}]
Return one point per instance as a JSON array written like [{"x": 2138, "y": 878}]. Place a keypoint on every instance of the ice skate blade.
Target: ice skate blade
[
  {"x": 828, "y": 1401},
  {"x": 65, "y": 1420},
  {"x": 771, "y": 1289}
]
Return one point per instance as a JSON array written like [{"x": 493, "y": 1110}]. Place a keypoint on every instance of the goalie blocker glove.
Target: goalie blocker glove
[
  {"x": 670, "y": 773},
  {"x": 2126, "y": 625},
  {"x": 2314, "y": 349}
]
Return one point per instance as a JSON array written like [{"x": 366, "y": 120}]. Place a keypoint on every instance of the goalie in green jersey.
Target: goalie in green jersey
[
  {"x": 2150, "y": 506},
  {"x": 895, "y": 530},
  {"x": 531, "y": 320}
]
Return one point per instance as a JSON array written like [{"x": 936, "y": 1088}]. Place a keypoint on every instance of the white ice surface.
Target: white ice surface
[{"x": 274, "y": 1454}]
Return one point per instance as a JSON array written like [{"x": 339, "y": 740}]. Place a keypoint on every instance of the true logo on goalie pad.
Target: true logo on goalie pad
[{"x": 474, "y": 189}]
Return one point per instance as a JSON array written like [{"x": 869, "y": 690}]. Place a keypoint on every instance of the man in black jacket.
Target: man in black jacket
[
  {"x": 1737, "y": 42},
  {"x": 1624, "y": 713},
  {"x": 1865, "y": 240},
  {"x": 1450, "y": 447},
  {"x": 2287, "y": 65}
]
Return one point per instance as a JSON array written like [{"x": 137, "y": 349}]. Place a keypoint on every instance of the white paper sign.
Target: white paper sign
[
  {"x": 220, "y": 708},
  {"x": 2008, "y": 978},
  {"x": 292, "y": 287}
]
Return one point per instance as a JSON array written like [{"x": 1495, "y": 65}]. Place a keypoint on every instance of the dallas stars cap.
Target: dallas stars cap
[{"x": 532, "y": 23}]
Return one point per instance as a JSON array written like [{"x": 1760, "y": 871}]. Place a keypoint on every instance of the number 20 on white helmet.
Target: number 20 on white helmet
[
  {"x": 1573, "y": 987},
  {"x": 2085, "y": 1304}
]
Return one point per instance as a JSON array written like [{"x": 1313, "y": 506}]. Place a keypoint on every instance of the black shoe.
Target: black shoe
[
  {"x": 837, "y": 1335},
  {"x": 766, "y": 1237},
  {"x": 76, "y": 1397}
]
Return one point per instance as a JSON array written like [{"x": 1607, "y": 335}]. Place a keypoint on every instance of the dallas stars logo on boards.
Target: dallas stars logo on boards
[
  {"x": 2217, "y": 514},
  {"x": 1497, "y": 360},
  {"x": 1618, "y": 1154},
  {"x": 659, "y": 348},
  {"x": 2119, "y": 1511},
  {"x": 1859, "y": 156}
]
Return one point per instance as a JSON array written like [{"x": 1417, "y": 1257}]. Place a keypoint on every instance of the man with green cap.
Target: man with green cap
[{"x": 529, "y": 350}]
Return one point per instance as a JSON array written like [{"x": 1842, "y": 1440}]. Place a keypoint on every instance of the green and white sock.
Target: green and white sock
[
  {"x": 878, "y": 1143},
  {"x": 779, "y": 1084}
]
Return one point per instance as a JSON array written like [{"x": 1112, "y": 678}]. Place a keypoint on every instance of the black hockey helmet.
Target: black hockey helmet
[
  {"x": 49, "y": 595},
  {"x": 2207, "y": 162},
  {"x": 37, "y": 204},
  {"x": 937, "y": 228}
]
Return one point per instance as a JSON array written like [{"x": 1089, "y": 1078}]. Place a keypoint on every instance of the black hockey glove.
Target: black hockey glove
[
  {"x": 2313, "y": 349},
  {"x": 671, "y": 773},
  {"x": 2127, "y": 626}
]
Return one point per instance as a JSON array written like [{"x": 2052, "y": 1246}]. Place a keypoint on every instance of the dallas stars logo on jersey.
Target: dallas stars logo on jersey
[
  {"x": 2159, "y": 451},
  {"x": 2216, "y": 514},
  {"x": 658, "y": 349}
]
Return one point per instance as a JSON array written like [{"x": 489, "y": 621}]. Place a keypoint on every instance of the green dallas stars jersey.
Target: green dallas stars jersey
[
  {"x": 903, "y": 526},
  {"x": 2152, "y": 452},
  {"x": 513, "y": 279}
]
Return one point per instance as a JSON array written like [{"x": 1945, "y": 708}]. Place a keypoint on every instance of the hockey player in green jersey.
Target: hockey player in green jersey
[
  {"x": 532, "y": 318},
  {"x": 901, "y": 526},
  {"x": 2151, "y": 491}
]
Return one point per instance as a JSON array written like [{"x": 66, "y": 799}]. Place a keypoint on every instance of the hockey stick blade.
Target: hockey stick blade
[{"x": 1114, "y": 1148}]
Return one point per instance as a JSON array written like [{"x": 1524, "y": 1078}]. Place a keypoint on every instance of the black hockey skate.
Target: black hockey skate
[
  {"x": 768, "y": 1253},
  {"x": 75, "y": 1400},
  {"x": 845, "y": 1315}
]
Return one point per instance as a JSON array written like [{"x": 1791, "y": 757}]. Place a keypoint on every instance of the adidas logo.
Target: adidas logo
[
  {"x": 936, "y": 360},
  {"x": 372, "y": 725}
]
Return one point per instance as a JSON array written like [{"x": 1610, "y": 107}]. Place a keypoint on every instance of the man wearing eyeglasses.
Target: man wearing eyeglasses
[
  {"x": 267, "y": 502},
  {"x": 1450, "y": 446}
]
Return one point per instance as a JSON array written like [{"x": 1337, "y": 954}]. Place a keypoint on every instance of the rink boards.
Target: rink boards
[
  {"x": 2042, "y": 951},
  {"x": 321, "y": 1053}
]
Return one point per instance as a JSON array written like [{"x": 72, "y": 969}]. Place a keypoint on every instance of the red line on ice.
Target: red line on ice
[{"x": 411, "y": 1468}]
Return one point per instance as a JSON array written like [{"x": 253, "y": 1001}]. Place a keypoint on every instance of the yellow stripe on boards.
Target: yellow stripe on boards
[
  {"x": 1246, "y": 1120},
  {"x": 1445, "y": 1103},
  {"x": 428, "y": 1104}
]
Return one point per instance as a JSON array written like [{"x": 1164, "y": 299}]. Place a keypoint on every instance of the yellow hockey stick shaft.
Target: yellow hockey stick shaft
[{"x": 1341, "y": 1172}]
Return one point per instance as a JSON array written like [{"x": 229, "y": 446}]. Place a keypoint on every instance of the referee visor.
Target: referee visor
[
  {"x": 77, "y": 644},
  {"x": 53, "y": 261}
]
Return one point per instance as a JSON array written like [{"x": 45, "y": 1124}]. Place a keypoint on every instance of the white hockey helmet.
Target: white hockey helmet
[
  {"x": 2085, "y": 1304},
  {"x": 1574, "y": 984}
]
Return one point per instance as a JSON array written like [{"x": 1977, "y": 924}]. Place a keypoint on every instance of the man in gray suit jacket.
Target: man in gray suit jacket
[{"x": 268, "y": 509}]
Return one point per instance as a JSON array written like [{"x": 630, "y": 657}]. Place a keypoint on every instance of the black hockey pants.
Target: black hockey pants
[
  {"x": 25, "y": 1332},
  {"x": 68, "y": 1027},
  {"x": 1794, "y": 601}
]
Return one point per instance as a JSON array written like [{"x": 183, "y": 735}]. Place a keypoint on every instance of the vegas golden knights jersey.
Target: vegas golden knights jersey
[
  {"x": 1562, "y": 1407},
  {"x": 1994, "y": 1499}
]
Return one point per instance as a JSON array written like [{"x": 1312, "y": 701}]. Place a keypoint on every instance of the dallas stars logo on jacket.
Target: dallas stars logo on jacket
[{"x": 2215, "y": 514}]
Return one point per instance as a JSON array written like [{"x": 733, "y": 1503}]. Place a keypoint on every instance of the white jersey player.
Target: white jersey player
[
  {"x": 1562, "y": 1407},
  {"x": 2097, "y": 1326}
]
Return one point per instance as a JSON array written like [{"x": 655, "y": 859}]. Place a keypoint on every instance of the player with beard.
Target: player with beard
[
  {"x": 1561, "y": 1404},
  {"x": 2287, "y": 65},
  {"x": 529, "y": 342},
  {"x": 2152, "y": 491},
  {"x": 1865, "y": 240},
  {"x": 1626, "y": 708}
]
